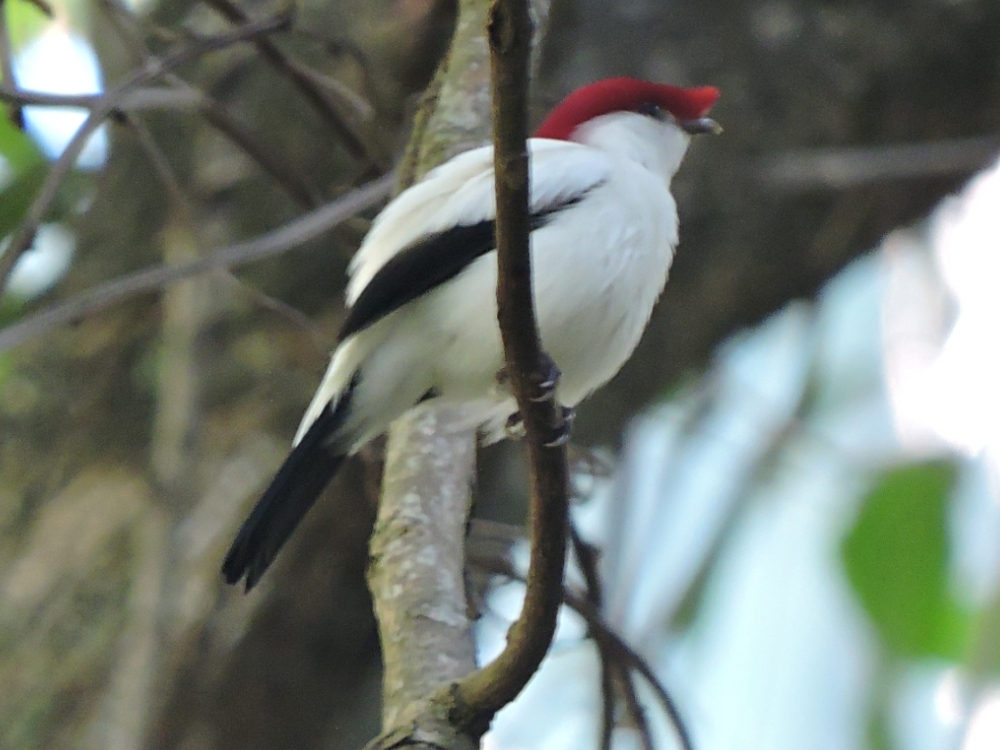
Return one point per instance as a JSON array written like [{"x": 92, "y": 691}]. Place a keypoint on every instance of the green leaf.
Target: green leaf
[
  {"x": 896, "y": 557},
  {"x": 16, "y": 197},
  {"x": 17, "y": 149},
  {"x": 25, "y": 22}
]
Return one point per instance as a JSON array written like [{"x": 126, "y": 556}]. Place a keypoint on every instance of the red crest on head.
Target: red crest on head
[{"x": 624, "y": 95}]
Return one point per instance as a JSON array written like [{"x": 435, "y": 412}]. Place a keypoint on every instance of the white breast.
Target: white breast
[{"x": 598, "y": 267}]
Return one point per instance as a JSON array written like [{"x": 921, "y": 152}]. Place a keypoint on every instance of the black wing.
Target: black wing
[
  {"x": 427, "y": 263},
  {"x": 293, "y": 491}
]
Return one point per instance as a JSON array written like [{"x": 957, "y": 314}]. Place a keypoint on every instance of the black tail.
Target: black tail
[{"x": 307, "y": 470}]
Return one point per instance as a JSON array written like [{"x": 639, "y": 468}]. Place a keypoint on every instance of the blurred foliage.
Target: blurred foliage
[
  {"x": 22, "y": 169},
  {"x": 122, "y": 624},
  {"x": 25, "y": 21},
  {"x": 896, "y": 556},
  {"x": 25, "y": 171},
  {"x": 18, "y": 150},
  {"x": 16, "y": 197}
]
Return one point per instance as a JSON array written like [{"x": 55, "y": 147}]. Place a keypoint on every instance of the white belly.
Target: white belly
[{"x": 598, "y": 269}]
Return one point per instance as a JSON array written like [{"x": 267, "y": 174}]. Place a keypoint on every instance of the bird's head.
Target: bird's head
[{"x": 649, "y": 122}]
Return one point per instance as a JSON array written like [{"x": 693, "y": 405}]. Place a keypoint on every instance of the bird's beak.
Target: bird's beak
[{"x": 700, "y": 126}]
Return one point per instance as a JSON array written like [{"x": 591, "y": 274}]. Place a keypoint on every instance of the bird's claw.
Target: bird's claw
[
  {"x": 547, "y": 388},
  {"x": 562, "y": 434}
]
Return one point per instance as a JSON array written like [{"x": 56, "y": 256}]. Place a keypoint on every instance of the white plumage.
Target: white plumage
[
  {"x": 598, "y": 268},
  {"x": 422, "y": 318}
]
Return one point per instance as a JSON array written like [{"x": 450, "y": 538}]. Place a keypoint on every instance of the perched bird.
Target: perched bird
[{"x": 421, "y": 320}]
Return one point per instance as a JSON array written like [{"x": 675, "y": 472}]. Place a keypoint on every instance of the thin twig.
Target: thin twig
[
  {"x": 183, "y": 95},
  {"x": 162, "y": 168},
  {"x": 601, "y": 631},
  {"x": 633, "y": 660},
  {"x": 107, "y": 105},
  {"x": 156, "y": 97},
  {"x": 289, "y": 312},
  {"x": 127, "y": 27},
  {"x": 286, "y": 237},
  {"x": 611, "y": 668},
  {"x": 279, "y": 169},
  {"x": 636, "y": 662},
  {"x": 586, "y": 558},
  {"x": 28, "y": 228},
  {"x": 7, "y": 66},
  {"x": 634, "y": 705},
  {"x": 840, "y": 168},
  {"x": 305, "y": 82},
  {"x": 185, "y": 210},
  {"x": 486, "y": 691}
]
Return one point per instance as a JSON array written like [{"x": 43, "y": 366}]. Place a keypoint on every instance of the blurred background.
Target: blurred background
[{"x": 801, "y": 526}]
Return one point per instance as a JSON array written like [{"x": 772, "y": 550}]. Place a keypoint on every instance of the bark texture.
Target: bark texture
[
  {"x": 417, "y": 569},
  {"x": 417, "y": 573},
  {"x": 82, "y": 512}
]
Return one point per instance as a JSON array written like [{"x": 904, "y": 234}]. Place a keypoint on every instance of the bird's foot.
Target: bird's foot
[
  {"x": 547, "y": 388},
  {"x": 561, "y": 436},
  {"x": 514, "y": 429}
]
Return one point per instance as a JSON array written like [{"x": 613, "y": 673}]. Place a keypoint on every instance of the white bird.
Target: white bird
[{"x": 421, "y": 319}]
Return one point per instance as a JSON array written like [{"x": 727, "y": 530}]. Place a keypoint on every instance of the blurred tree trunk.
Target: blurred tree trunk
[{"x": 123, "y": 475}]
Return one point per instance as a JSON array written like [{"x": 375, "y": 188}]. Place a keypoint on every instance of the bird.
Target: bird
[{"x": 421, "y": 318}]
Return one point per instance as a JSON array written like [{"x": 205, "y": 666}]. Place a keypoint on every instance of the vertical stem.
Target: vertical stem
[
  {"x": 485, "y": 692},
  {"x": 417, "y": 571},
  {"x": 418, "y": 559}
]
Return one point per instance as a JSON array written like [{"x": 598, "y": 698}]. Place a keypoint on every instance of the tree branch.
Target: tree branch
[
  {"x": 126, "y": 25},
  {"x": 280, "y": 240},
  {"x": 154, "y": 97},
  {"x": 607, "y": 640},
  {"x": 485, "y": 692},
  {"x": 417, "y": 555},
  {"x": 613, "y": 672},
  {"x": 105, "y": 106},
  {"x": 303, "y": 79},
  {"x": 839, "y": 168},
  {"x": 453, "y": 117},
  {"x": 183, "y": 96},
  {"x": 429, "y": 468}
]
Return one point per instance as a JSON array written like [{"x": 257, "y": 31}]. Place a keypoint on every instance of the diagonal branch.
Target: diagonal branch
[
  {"x": 105, "y": 107},
  {"x": 606, "y": 638},
  {"x": 184, "y": 209},
  {"x": 586, "y": 558},
  {"x": 633, "y": 661},
  {"x": 155, "y": 97},
  {"x": 282, "y": 239},
  {"x": 127, "y": 27},
  {"x": 486, "y": 691},
  {"x": 304, "y": 80}
]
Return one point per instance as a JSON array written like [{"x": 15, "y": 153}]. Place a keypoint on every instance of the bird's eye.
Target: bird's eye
[{"x": 653, "y": 110}]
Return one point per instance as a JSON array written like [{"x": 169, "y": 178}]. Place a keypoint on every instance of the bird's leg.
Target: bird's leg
[
  {"x": 562, "y": 434},
  {"x": 547, "y": 386},
  {"x": 514, "y": 428}
]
